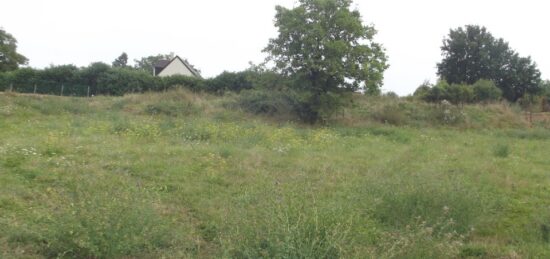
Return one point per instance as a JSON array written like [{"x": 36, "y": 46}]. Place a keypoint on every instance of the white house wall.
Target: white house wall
[{"x": 175, "y": 68}]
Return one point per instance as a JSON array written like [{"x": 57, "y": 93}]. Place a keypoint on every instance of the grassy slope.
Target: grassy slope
[{"x": 177, "y": 175}]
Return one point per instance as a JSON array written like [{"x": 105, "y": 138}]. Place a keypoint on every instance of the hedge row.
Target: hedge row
[{"x": 102, "y": 79}]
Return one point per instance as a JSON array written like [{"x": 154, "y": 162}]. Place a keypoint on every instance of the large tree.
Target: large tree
[
  {"x": 327, "y": 49},
  {"x": 9, "y": 58},
  {"x": 472, "y": 53}
]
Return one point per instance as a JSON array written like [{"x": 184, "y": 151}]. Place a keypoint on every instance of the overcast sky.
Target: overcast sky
[{"x": 218, "y": 35}]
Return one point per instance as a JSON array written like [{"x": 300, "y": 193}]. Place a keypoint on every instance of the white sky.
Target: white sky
[{"x": 218, "y": 35}]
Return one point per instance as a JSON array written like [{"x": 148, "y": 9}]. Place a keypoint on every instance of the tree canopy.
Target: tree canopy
[
  {"x": 121, "y": 61},
  {"x": 146, "y": 63},
  {"x": 9, "y": 58},
  {"x": 472, "y": 53},
  {"x": 325, "y": 46}
]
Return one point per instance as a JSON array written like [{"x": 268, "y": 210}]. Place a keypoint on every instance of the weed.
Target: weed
[{"x": 501, "y": 151}]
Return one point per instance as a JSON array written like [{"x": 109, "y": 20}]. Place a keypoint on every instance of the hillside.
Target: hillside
[{"x": 183, "y": 175}]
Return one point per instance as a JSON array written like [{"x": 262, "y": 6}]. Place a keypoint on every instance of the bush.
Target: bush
[
  {"x": 486, "y": 91},
  {"x": 501, "y": 150},
  {"x": 229, "y": 81},
  {"x": 438, "y": 92},
  {"x": 391, "y": 114},
  {"x": 193, "y": 83},
  {"x": 422, "y": 91},
  {"x": 459, "y": 93},
  {"x": 3, "y": 82},
  {"x": 267, "y": 102}
]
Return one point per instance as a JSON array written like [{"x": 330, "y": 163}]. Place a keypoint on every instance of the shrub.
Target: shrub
[
  {"x": 229, "y": 81},
  {"x": 3, "y": 82},
  {"x": 118, "y": 81},
  {"x": 459, "y": 93},
  {"x": 391, "y": 95},
  {"x": 423, "y": 90},
  {"x": 23, "y": 79},
  {"x": 486, "y": 91},
  {"x": 502, "y": 151},
  {"x": 438, "y": 92},
  {"x": 193, "y": 83},
  {"x": 267, "y": 102},
  {"x": 391, "y": 114}
]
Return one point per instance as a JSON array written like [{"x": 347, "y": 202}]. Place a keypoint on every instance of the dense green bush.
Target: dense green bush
[
  {"x": 460, "y": 93},
  {"x": 229, "y": 81},
  {"x": 193, "y": 83},
  {"x": 118, "y": 81},
  {"x": 438, "y": 92},
  {"x": 486, "y": 90},
  {"x": 481, "y": 91}
]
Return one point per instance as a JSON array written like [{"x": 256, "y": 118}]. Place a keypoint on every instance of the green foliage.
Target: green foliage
[
  {"x": 502, "y": 151},
  {"x": 459, "y": 93},
  {"x": 9, "y": 58},
  {"x": 118, "y": 81},
  {"x": 486, "y": 91},
  {"x": 472, "y": 53},
  {"x": 90, "y": 76},
  {"x": 101, "y": 79},
  {"x": 121, "y": 61},
  {"x": 3, "y": 81},
  {"x": 482, "y": 91},
  {"x": 192, "y": 83},
  {"x": 146, "y": 63},
  {"x": 326, "y": 49},
  {"x": 438, "y": 92},
  {"x": 230, "y": 81},
  {"x": 423, "y": 90}
]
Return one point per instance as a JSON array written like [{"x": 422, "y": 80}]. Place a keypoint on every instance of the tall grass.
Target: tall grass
[{"x": 184, "y": 175}]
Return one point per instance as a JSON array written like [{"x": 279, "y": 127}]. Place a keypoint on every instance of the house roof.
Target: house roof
[{"x": 162, "y": 64}]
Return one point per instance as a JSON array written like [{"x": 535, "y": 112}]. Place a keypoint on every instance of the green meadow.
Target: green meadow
[{"x": 183, "y": 175}]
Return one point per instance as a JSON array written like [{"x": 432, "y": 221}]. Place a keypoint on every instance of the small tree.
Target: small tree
[{"x": 326, "y": 49}]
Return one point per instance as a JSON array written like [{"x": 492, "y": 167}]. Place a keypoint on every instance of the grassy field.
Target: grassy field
[{"x": 180, "y": 175}]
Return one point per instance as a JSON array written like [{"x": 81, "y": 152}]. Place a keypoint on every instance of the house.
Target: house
[{"x": 176, "y": 66}]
